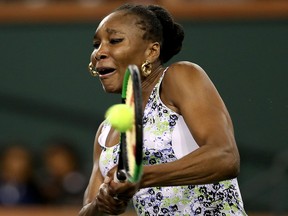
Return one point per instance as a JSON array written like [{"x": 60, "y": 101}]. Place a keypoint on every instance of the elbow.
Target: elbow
[
  {"x": 234, "y": 169},
  {"x": 231, "y": 164},
  {"x": 226, "y": 163}
]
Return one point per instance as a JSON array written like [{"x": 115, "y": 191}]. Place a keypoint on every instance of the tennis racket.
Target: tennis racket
[{"x": 131, "y": 141}]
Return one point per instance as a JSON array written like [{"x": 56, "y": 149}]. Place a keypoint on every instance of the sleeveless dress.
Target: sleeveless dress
[{"x": 166, "y": 139}]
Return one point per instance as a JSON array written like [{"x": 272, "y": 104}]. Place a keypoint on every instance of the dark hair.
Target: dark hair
[{"x": 159, "y": 26}]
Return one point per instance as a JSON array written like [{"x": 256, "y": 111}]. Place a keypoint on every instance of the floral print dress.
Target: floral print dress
[{"x": 159, "y": 122}]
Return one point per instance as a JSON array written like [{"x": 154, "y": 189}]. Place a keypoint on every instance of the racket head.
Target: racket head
[{"x": 131, "y": 145}]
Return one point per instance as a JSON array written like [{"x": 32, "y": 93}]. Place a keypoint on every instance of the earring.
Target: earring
[
  {"x": 92, "y": 70},
  {"x": 146, "y": 68}
]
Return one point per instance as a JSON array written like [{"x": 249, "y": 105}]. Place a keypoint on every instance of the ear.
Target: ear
[{"x": 153, "y": 51}]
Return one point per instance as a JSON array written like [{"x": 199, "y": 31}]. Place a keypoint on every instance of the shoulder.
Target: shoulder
[
  {"x": 185, "y": 66},
  {"x": 184, "y": 73},
  {"x": 184, "y": 81}
]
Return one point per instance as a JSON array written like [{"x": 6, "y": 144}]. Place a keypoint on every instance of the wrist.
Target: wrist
[{"x": 147, "y": 176}]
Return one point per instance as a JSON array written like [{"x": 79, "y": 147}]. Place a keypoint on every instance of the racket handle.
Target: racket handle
[{"x": 120, "y": 176}]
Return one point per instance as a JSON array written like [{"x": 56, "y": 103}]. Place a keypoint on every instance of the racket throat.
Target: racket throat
[{"x": 121, "y": 173}]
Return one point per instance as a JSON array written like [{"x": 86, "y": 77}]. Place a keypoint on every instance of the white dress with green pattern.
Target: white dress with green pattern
[{"x": 166, "y": 139}]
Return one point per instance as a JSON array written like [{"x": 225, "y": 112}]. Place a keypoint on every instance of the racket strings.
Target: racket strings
[{"x": 130, "y": 135}]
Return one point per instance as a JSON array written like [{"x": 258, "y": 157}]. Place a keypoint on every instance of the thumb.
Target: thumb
[
  {"x": 111, "y": 172},
  {"x": 107, "y": 180}
]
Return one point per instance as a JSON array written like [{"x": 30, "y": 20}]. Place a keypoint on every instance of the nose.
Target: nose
[
  {"x": 101, "y": 53},
  {"x": 100, "y": 56}
]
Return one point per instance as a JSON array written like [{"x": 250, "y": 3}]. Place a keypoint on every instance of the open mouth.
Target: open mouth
[{"x": 104, "y": 71}]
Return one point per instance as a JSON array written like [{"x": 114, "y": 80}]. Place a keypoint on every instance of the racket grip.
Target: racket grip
[{"x": 120, "y": 176}]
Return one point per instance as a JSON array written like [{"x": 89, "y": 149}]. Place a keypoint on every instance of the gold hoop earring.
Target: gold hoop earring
[
  {"x": 92, "y": 70},
  {"x": 146, "y": 68}
]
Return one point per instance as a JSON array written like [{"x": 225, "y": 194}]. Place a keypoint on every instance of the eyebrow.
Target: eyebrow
[
  {"x": 113, "y": 31},
  {"x": 110, "y": 31}
]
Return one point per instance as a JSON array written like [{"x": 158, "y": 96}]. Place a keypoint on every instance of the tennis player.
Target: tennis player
[{"x": 190, "y": 156}]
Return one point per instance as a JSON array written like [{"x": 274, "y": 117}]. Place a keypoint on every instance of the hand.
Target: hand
[
  {"x": 122, "y": 190},
  {"x": 107, "y": 201}
]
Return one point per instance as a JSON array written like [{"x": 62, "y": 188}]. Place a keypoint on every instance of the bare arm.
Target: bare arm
[
  {"x": 187, "y": 89},
  {"x": 90, "y": 201}
]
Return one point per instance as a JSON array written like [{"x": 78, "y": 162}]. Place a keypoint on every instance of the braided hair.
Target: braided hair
[{"x": 159, "y": 26}]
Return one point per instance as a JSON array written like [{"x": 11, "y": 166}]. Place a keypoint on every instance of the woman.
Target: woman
[{"x": 190, "y": 155}]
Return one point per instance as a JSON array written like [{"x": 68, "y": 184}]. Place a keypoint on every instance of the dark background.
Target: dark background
[{"x": 46, "y": 91}]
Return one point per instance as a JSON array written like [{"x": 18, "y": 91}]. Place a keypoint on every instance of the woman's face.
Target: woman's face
[{"x": 118, "y": 42}]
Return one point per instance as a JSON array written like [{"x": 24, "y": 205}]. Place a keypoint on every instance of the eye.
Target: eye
[
  {"x": 116, "y": 40},
  {"x": 96, "y": 44}
]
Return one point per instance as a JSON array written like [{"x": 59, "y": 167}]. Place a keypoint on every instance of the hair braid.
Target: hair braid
[
  {"x": 173, "y": 33},
  {"x": 159, "y": 26}
]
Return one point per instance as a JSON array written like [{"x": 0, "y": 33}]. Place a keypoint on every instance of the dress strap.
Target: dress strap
[{"x": 163, "y": 73}]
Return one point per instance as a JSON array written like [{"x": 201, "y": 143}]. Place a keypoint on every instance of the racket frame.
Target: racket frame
[{"x": 123, "y": 172}]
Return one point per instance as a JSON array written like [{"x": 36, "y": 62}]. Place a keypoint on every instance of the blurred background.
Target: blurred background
[{"x": 50, "y": 107}]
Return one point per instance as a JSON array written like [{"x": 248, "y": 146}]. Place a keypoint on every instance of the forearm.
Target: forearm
[{"x": 203, "y": 166}]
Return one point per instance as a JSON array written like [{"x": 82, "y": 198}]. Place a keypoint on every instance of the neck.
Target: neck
[{"x": 150, "y": 81}]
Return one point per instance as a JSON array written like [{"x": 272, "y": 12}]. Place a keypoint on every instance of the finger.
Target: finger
[
  {"x": 125, "y": 198},
  {"x": 111, "y": 206},
  {"x": 106, "y": 194},
  {"x": 109, "y": 202},
  {"x": 122, "y": 191},
  {"x": 103, "y": 189},
  {"x": 112, "y": 171},
  {"x": 107, "y": 180},
  {"x": 123, "y": 188}
]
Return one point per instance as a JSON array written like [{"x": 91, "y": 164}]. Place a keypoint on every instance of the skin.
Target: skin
[{"x": 187, "y": 90}]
